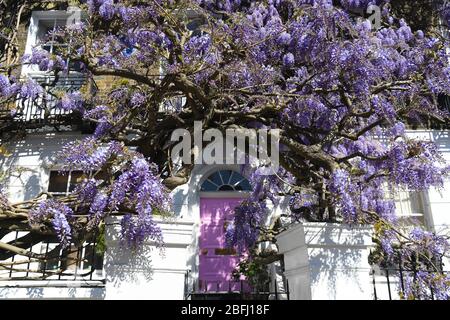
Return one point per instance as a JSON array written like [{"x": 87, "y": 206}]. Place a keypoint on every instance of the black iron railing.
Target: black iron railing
[
  {"x": 78, "y": 262},
  {"x": 390, "y": 284},
  {"x": 45, "y": 110},
  {"x": 235, "y": 290}
]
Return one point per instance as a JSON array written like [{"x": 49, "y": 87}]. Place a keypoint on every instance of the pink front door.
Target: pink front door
[{"x": 217, "y": 262}]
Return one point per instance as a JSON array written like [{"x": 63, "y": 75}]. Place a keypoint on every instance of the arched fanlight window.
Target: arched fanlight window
[{"x": 226, "y": 180}]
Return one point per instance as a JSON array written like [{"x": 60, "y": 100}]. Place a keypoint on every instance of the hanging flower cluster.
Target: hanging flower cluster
[{"x": 59, "y": 215}]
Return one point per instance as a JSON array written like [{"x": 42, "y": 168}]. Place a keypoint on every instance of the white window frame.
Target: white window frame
[
  {"x": 69, "y": 180},
  {"x": 402, "y": 213},
  {"x": 32, "y": 35},
  {"x": 81, "y": 268}
]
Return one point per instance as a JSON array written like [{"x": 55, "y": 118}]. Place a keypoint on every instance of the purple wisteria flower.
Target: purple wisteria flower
[
  {"x": 5, "y": 86},
  {"x": 243, "y": 233},
  {"x": 31, "y": 90},
  {"x": 288, "y": 60},
  {"x": 44, "y": 60},
  {"x": 59, "y": 214},
  {"x": 88, "y": 154},
  {"x": 72, "y": 101},
  {"x": 107, "y": 9},
  {"x": 136, "y": 230}
]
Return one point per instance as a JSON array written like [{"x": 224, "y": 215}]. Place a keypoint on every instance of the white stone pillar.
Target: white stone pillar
[
  {"x": 338, "y": 260},
  {"x": 149, "y": 273},
  {"x": 291, "y": 243}
]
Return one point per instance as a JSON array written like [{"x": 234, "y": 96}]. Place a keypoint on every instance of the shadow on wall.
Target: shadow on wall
[
  {"x": 51, "y": 293},
  {"x": 35, "y": 293},
  {"x": 130, "y": 266},
  {"x": 14, "y": 293},
  {"x": 26, "y": 159},
  {"x": 179, "y": 199},
  {"x": 32, "y": 187},
  {"x": 40, "y": 147},
  {"x": 337, "y": 255}
]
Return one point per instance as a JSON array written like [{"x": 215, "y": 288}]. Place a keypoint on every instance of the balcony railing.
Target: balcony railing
[
  {"x": 81, "y": 263},
  {"x": 43, "y": 111}
]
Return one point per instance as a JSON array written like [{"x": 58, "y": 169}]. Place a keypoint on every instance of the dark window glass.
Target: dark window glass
[
  {"x": 208, "y": 186},
  {"x": 58, "y": 182},
  {"x": 245, "y": 185},
  {"x": 216, "y": 178},
  {"x": 92, "y": 259},
  {"x": 75, "y": 178},
  {"x": 226, "y": 174},
  {"x": 226, "y": 180},
  {"x": 226, "y": 187},
  {"x": 235, "y": 178},
  {"x": 444, "y": 102},
  {"x": 52, "y": 43}
]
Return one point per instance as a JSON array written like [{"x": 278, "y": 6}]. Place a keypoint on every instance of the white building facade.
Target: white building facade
[{"x": 321, "y": 261}]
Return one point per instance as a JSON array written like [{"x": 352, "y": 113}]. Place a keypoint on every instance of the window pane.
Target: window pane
[
  {"x": 226, "y": 187},
  {"x": 226, "y": 180},
  {"x": 216, "y": 178},
  {"x": 70, "y": 258},
  {"x": 53, "y": 262},
  {"x": 58, "y": 182},
  {"x": 102, "y": 175},
  {"x": 225, "y": 176},
  {"x": 53, "y": 43},
  {"x": 45, "y": 29},
  {"x": 76, "y": 177},
  {"x": 244, "y": 185},
  {"x": 88, "y": 257},
  {"x": 235, "y": 178},
  {"x": 45, "y": 26},
  {"x": 208, "y": 186},
  {"x": 92, "y": 259}
]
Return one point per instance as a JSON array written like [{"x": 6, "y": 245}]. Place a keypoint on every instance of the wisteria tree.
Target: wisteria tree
[{"x": 341, "y": 82}]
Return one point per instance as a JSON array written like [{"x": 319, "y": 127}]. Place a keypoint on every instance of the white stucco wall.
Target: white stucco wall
[
  {"x": 338, "y": 261},
  {"x": 49, "y": 290},
  {"x": 438, "y": 200},
  {"x": 33, "y": 157},
  {"x": 337, "y": 256},
  {"x": 149, "y": 272}
]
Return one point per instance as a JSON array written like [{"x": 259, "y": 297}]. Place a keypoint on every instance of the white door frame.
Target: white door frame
[{"x": 193, "y": 195}]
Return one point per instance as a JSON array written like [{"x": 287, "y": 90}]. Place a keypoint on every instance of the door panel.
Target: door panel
[{"x": 217, "y": 262}]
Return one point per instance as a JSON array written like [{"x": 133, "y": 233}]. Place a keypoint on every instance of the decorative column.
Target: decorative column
[{"x": 291, "y": 243}]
